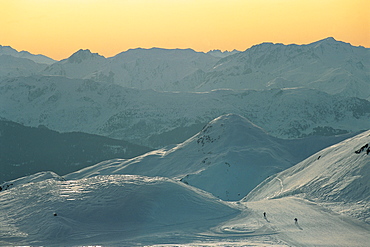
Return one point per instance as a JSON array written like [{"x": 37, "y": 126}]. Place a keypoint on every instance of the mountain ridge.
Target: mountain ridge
[
  {"x": 27, "y": 150},
  {"x": 328, "y": 65},
  {"x": 42, "y": 59},
  {"x": 228, "y": 158}
]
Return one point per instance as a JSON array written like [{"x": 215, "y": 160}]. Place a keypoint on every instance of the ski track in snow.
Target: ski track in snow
[
  {"x": 316, "y": 225},
  {"x": 281, "y": 187}
]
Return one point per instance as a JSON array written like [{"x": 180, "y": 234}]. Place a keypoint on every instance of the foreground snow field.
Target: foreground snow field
[
  {"x": 124, "y": 210},
  {"x": 327, "y": 192}
]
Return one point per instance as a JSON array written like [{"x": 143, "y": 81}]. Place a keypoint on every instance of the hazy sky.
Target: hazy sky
[{"x": 58, "y": 28}]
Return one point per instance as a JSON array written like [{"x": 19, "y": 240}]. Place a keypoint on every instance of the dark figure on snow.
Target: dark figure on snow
[
  {"x": 295, "y": 220},
  {"x": 264, "y": 214}
]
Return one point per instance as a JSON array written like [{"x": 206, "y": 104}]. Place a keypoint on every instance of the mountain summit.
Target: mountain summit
[{"x": 82, "y": 55}]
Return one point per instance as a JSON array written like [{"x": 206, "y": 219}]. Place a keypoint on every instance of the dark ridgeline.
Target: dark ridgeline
[{"x": 27, "y": 150}]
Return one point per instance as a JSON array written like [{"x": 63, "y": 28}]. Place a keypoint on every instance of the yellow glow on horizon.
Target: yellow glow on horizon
[{"x": 57, "y": 28}]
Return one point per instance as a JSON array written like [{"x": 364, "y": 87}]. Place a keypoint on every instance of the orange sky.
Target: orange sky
[{"x": 58, "y": 28}]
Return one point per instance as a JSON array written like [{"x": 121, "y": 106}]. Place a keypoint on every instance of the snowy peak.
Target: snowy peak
[
  {"x": 231, "y": 130},
  {"x": 82, "y": 55},
  {"x": 222, "y": 54},
  {"x": 329, "y": 42}
]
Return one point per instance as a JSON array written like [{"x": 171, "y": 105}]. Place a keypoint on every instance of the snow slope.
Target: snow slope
[
  {"x": 316, "y": 226},
  {"x": 338, "y": 177},
  {"x": 228, "y": 158},
  {"x": 148, "y": 117},
  {"x": 104, "y": 210}
]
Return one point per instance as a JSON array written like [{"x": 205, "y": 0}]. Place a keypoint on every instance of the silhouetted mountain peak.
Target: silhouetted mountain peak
[{"x": 82, "y": 55}]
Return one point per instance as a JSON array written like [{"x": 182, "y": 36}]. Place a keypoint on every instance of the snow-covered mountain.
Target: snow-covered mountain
[
  {"x": 153, "y": 118},
  {"x": 228, "y": 158},
  {"x": 158, "y": 69},
  {"x": 328, "y": 65},
  {"x": 338, "y": 177},
  {"x": 40, "y": 59},
  {"x": 82, "y": 64}
]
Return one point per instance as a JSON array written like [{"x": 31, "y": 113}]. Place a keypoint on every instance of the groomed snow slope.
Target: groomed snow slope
[
  {"x": 338, "y": 177},
  {"x": 44, "y": 210},
  {"x": 316, "y": 226}
]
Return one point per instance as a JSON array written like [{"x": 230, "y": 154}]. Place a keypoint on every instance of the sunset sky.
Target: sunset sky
[{"x": 58, "y": 28}]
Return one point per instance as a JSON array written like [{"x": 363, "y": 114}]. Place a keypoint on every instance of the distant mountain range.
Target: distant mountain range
[
  {"x": 156, "y": 119},
  {"x": 327, "y": 65}
]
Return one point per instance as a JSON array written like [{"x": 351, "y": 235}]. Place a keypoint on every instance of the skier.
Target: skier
[
  {"x": 296, "y": 220},
  {"x": 264, "y": 214}
]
